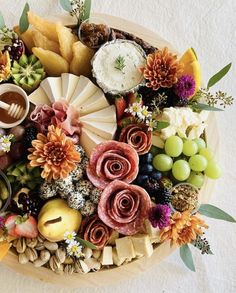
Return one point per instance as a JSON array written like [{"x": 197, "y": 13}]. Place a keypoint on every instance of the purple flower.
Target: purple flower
[
  {"x": 2, "y": 222},
  {"x": 159, "y": 216},
  {"x": 185, "y": 87}
]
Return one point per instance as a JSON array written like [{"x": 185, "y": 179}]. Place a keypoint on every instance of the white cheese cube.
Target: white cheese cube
[
  {"x": 142, "y": 245},
  {"x": 106, "y": 258},
  {"x": 125, "y": 248},
  {"x": 117, "y": 261},
  {"x": 153, "y": 233}
]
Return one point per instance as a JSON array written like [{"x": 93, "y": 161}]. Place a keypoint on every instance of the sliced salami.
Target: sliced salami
[
  {"x": 95, "y": 231},
  {"x": 138, "y": 136},
  {"x": 124, "y": 207},
  {"x": 112, "y": 160}
]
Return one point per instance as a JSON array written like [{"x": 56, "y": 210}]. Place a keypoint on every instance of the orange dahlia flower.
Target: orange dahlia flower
[
  {"x": 162, "y": 69},
  {"x": 55, "y": 153},
  {"x": 183, "y": 228}
]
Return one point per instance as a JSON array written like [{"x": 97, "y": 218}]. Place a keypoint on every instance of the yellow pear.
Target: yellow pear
[{"x": 55, "y": 218}]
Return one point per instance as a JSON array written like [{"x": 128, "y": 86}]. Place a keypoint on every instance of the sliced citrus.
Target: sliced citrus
[
  {"x": 189, "y": 56},
  {"x": 4, "y": 248}
]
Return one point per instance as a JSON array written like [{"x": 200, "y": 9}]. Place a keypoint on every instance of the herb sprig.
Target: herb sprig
[{"x": 120, "y": 63}]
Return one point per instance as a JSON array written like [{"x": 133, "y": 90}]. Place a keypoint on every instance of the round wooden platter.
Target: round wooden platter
[{"x": 127, "y": 271}]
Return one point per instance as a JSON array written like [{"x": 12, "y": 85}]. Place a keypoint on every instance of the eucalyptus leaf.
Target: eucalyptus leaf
[
  {"x": 24, "y": 22},
  {"x": 218, "y": 76},
  {"x": 66, "y": 5},
  {"x": 200, "y": 106},
  {"x": 215, "y": 213},
  {"x": 86, "y": 243},
  {"x": 161, "y": 125},
  {"x": 87, "y": 10},
  {"x": 186, "y": 256},
  {"x": 2, "y": 21}
]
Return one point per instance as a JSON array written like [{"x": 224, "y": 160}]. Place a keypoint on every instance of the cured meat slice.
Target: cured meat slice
[
  {"x": 112, "y": 160},
  {"x": 124, "y": 207},
  {"x": 95, "y": 231},
  {"x": 138, "y": 137}
]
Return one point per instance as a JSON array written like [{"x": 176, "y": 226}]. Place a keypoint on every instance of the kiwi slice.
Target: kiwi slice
[
  {"x": 28, "y": 72},
  {"x": 4, "y": 193}
]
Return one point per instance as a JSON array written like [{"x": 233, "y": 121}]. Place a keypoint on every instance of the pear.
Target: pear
[{"x": 56, "y": 218}]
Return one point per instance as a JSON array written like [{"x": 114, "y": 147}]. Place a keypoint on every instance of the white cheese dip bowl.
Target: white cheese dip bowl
[{"x": 116, "y": 67}]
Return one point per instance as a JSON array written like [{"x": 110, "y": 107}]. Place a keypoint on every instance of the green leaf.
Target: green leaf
[
  {"x": 87, "y": 10},
  {"x": 66, "y": 5},
  {"x": 24, "y": 22},
  {"x": 200, "y": 106},
  {"x": 2, "y": 21},
  {"x": 218, "y": 76},
  {"x": 186, "y": 256},
  {"x": 215, "y": 213},
  {"x": 161, "y": 125},
  {"x": 86, "y": 243}
]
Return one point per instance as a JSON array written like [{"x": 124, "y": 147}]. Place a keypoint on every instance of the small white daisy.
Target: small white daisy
[
  {"x": 69, "y": 237},
  {"x": 144, "y": 113},
  {"x": 5, "y": 142},
  {"x": 134, "y": 109},
  {"x": 74, "y": 248},
  {"x": 152, "y": 124}
]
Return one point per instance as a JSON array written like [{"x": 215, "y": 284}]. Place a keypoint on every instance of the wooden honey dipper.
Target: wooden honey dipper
[{"x": 13, "y": 110}]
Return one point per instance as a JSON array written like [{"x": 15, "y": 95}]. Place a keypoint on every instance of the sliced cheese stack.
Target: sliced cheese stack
[{"x": 98, "y": 118}]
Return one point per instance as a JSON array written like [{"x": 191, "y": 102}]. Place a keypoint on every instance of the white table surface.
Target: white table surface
[{"x": 209, "y": 26}]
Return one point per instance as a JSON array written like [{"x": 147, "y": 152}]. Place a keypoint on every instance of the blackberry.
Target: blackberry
[
  {"x": 152, "y": 187},
  {"x": 163, "y": 196},
  {"x": 29, "y": 135},
  {"x": 15, "y": 50},
  {"x": 31, "y": 204}
]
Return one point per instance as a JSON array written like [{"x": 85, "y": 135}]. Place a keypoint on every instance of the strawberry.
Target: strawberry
[
  {"x": 134, "y": 98},
  {"x": 10, "y": 225},
  {"x": 120, "y": 104},
  {"x": 26, "y": 226}
]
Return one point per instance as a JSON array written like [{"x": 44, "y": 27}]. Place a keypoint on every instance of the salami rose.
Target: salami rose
[
  {"x": 95, "y": 231},
  {"x": 138, "y": 137},
  {"x": 112, "y": 160},
  {"x": 124, "y": 207}
]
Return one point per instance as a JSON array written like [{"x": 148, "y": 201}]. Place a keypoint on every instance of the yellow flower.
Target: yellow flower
[
  {"x": 55, "y": 153},
  {"x": 5, "y": 66},
  {"x": 183, "y": 228}
]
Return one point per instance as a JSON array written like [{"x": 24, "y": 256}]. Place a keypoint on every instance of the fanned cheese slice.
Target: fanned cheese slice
[
  {"x": 69, "y": 83},
  {"x": 53, "y": 88},
  {"x": 105, "y": 130},
  {"x": 39, "y": 97},
  {"x": 107, "y": 115},
  {"x": 83, "y": 91},
  {"x": 97, "y": 102},
  {"x": 89, "y": 140}
]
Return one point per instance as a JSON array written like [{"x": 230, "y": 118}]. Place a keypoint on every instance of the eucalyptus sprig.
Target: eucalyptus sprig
[{"x": 77, "y": 8}]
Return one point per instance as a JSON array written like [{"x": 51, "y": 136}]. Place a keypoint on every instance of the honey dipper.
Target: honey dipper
[{"x": 13, "y": 110}]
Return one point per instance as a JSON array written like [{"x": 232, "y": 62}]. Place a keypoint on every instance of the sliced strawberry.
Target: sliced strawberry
[
  {"x": 26, "y": 227},
  {"x": 120, "y": 104},
  {"x": 10, "y": 225}
]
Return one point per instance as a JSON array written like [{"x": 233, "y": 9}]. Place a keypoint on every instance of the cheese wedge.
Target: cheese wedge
[
  {"x": 69, "y": 83},
  {"x": 95, "y": 103},
  {"x": 39, "y": 97},
  {"x": 105, "y": 130},
  {"x": 142, "y": 245},
  {"x": 125, "y": 248},
  {"x": 83, "y": 91},
  {"x": 106, "y": 258},
  {"x": 107, "y": 114},
  {"x": 53, "y": 88},
  {"x": 89, "y": 140}
]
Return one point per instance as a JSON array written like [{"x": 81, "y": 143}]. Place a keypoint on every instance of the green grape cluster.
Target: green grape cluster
[{"x": 187, "y": 160}]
